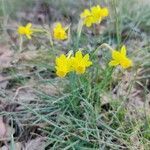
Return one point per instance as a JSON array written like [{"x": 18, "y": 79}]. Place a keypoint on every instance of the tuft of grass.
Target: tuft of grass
[{"x": 77, "y": 117}]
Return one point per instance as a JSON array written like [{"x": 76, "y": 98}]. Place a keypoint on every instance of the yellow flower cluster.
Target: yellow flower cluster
[
  {"x": 94, "y": 15},
  {"x": 59, "y": 32},
  {"x": 78, "y": 63},
  {"x": 120, "y": 58}
]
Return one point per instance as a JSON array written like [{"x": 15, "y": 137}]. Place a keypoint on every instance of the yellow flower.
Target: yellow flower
[
  {"x": 98, "y": 13},
  {"x": 26, "y": 30},
  {"x": 80, "y": 62},
  {"x": 87, "y": 18},
  {"x": 120, "y": 58},
  {"x": 59, "y": 33},
  {"x": 94, "y": 15},
  {"x": 104, "y": 12},
  {"x": 63, "y": 65}
]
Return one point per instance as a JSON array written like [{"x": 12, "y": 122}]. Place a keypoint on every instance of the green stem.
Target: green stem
[
  {"x": 117, "y": 22},
  {"x": 101, "y": 46},
  {"x": 79, "y": 31}
]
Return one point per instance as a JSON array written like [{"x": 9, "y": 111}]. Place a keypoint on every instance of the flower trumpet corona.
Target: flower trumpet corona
[
  {"x": 26, "y": 30},
  {"x": 120, "y": 58},
  {"x": 59, "y": 32}
]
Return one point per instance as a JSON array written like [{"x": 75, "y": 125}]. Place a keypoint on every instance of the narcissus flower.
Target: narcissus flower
[
  {"x": 26, "y": 30},
  {"x": 120, "y": 58},
  {"x": 63, "y": 65},
  {"x": 59, "y": 32},
  {"x": 80, "y": 62},
  {"x": 87, "y": 18},
  {"x": 77, "y": 63},
  {"x": 98, "y": 13},
  {"x": 94, "y": 15}
]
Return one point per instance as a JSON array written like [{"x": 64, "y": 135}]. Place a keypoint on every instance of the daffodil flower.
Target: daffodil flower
[
  {"x": 120, "y": 58},
  {"x": 59, "y": 32},
  {"x": 80, "y": 62},
  {"x": 26, "y": 30},
  {"x": 77, "y": 63},
  {"x": 98, "y": 13},
  {"x": 94, "y": 15},
  {"x": 87, "y": 18},
  {"x": 63, "y": 65}
]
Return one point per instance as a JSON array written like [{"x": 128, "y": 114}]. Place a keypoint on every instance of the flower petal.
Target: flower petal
[
  {"x": 28, "y": 25},
  {"x": 116, "y": 55},
  {"x": 123, "y": 50},
  {"x": 85, "y": 14},
  {"x": 80, "y": 69},
  {"x": 126, "y": 63},
  {"x": 78, "y": 55},
  {"x": 104, "y": 12},
  {"x": 86, "y": 57},
  {"x": 58, "y": 25},
  {"x": 61, "y": 73},
  {"x": 21, "y": 30}
]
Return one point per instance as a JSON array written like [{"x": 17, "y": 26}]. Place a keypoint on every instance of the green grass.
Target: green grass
[{"x": 86, "y": 114}]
